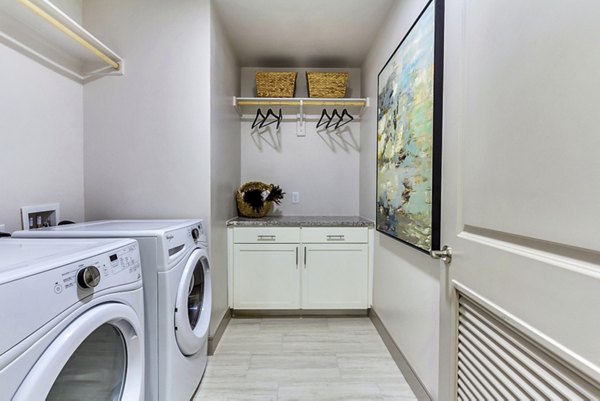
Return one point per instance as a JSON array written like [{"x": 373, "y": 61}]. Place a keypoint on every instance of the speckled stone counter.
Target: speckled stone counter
[{"x": 301, "y": 221}]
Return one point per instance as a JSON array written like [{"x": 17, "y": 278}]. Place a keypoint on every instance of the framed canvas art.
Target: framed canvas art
[{"x": 409, "y": 136}]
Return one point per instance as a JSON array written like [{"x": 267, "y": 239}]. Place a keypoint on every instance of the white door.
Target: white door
[
  {"x": 521, "y": 193},
  {"x": 99, "y": 356}
]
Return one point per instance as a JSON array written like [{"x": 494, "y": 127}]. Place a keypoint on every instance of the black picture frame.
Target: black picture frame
[{"x": 395, "y": 217}]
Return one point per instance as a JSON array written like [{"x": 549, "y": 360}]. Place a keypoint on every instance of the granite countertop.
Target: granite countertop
[{"x": 301, "y": 221}]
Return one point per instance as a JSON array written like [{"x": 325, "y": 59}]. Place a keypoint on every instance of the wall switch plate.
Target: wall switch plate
[
  {"x": 2, "y": 228},
  {"x": 38, "y": 216},
  {"x": 295, "y": 197}
]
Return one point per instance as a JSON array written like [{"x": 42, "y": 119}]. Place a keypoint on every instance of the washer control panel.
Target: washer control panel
[
  {"x": 33, "y": 300},
  {"x": 180, "y": 240},
  {"x": 115, "y": 268},
  {"x": 197, "y": 234}
]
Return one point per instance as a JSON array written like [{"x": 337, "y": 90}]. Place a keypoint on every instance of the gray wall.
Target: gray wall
[
  {"x": 41, "y": 139},
  {"x": 406, "y": 284},
  {"x": 322, "y": 166},
  {"x": 147, "y": 141},
  {"x": 162, "y": 140},
  {"x": 225, "y": 159}
]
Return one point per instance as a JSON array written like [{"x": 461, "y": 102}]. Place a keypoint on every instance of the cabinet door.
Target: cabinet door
[
  {"x": 266, "y": 276},
  {"x": 335, "y": 276}
]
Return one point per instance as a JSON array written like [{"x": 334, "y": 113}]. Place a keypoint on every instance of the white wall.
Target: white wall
[
  {"x": 225, "y": 159},
  {"x": 322, "y": 166},
  {"x": 147, "y": 141},
  {"x": 406, "y": 282},
  {"x": 41, "y": 139}
]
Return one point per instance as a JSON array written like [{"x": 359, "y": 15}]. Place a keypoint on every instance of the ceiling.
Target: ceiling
[{"x": 301, "y": 33}]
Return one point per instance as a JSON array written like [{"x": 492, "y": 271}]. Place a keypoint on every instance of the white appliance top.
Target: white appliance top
[
  {"x": 30, "y": 256},
  {"x": 109, "y": 228}
]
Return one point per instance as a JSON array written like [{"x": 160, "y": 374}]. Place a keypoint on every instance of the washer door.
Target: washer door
[
  {"x": 193, "y": 304},
  {"x": 99, "y": 356}
]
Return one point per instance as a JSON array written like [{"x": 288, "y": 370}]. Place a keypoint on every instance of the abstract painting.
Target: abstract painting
[{"x": 409, "y": 134}]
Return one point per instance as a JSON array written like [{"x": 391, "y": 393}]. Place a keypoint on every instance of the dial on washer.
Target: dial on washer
[{"x": 88, "y": 277}]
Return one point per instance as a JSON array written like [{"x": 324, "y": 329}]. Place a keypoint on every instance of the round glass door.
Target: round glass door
[
  {"x": 95, "y": 371},
  {"x": 195, "y": 297},
  {"x": 98, "y": 356},
  {"x": 193, "y": 304}
]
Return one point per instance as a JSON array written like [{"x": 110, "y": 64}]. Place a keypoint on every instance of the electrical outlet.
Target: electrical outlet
[
  {"x": 295, "y": 197},
  {"x": 2, "y": 228}
]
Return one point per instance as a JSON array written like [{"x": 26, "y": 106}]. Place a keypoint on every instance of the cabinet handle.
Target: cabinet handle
[
  {"x": 305, "y": 257},
  {"x": 266, "y": 238},
  {"x": 335, "y": 237},
  {"x": 296, "y": 258}
]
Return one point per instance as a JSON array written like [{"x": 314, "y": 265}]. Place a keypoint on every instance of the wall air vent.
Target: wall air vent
[{"x": 495, "y": 362}]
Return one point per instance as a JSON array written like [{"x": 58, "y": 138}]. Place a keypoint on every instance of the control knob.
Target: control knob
[
  {"x": 195, "y": 234},
  {"x": 88, "y": 277}
]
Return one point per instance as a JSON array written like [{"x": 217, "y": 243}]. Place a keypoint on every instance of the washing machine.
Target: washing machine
[
  {"x": 177, "y": 292},
  {"x": 71, "y": 320}
]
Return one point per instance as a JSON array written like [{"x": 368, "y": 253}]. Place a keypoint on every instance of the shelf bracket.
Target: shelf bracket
[
  {"x": 301, "y": 124},
  {"x": 236, "y": 107}
]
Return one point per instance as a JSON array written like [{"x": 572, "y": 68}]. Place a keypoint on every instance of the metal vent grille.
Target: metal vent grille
[{"x": 497, "y": 363}]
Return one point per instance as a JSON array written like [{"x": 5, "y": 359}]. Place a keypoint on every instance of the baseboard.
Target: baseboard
[
  {"x": 214, "y": 340},
  {"x": 257, "y": 313},
  {"x": 411, "y": 377}
]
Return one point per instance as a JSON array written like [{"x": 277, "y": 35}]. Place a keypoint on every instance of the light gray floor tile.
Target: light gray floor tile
[
  {"x": 236, "y": 389},
  {"x": 294, "y": 361},
  {"x": 329, "y": 391},
  {"x": 302, "y": 359},
  {"x": 228, "y": 365},
  {"x": 398, "y": 390}
]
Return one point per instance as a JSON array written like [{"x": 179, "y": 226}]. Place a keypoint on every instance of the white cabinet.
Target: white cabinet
[
  {"x": 335, "y": 276},
  {"x": 299, "y": 268},
  {"x": 266, "y": 276}
]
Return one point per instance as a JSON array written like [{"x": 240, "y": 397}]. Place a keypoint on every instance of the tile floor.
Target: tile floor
[{"x": 302, "y": 359}]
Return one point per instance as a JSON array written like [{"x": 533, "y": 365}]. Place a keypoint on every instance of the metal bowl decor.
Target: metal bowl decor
[{"x": 255, "y": 199}]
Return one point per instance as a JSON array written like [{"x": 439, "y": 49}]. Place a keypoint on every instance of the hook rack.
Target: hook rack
[{"x": 247, "y": 106}]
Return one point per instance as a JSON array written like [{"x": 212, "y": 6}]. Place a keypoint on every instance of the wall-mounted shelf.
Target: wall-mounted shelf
[
  {"x": 299, "y": 107},
  {"x": 310, "y": 106},
  {"x": 40, "y": 30}
]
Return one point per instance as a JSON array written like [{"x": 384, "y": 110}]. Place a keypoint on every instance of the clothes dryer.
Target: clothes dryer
[
  {"x": 71, "y": 320},
  {"x": 178, "y": 300}
]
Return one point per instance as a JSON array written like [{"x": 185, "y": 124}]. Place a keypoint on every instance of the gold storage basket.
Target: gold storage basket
[
  {"x": 326, "y": 84},
  {"x": 244, "y": 209},
  {"x": 275, "y": 84}
]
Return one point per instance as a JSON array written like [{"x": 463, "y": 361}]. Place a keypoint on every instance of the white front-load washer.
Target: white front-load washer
[
  {"x": 177, "y": 291},
  {"x": 71, "y": 320}
]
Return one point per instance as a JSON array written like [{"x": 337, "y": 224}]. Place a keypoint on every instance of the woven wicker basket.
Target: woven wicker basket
[
  {"x": 244, "y": 209},
  {"x": 326, "y": 84},
  {"x": 275, "y": 84}
]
